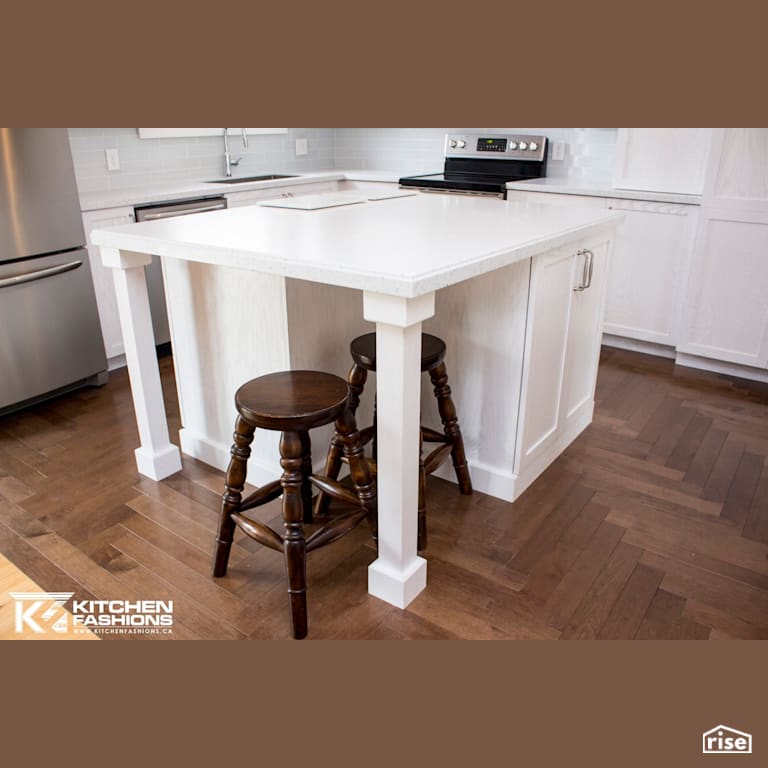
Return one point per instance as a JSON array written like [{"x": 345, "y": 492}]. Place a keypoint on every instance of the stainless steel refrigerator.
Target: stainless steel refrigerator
[{"x": 50, "y": 336}]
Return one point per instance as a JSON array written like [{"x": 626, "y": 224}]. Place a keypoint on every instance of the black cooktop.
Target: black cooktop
[
  {"x": 477, "y": 175},
  {"x": 462, "y": 182}
]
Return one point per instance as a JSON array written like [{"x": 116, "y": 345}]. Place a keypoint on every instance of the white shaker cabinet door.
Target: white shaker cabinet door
[
  {"x": 103, "y": 281},
  {"x": 590, "y": 268},
  {"x": 726, "y": 314},
  {"x": 549, "y": 307},
  {"x": 649, "y": 270}
]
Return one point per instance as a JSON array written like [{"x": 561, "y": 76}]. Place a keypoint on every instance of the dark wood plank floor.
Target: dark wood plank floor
[{"x": 653, "y": 524}]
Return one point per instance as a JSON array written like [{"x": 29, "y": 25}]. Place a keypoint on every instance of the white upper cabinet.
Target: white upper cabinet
[
  {"x": 183, "y": 133},
  {"x": 738, "y": 169},
  {"x": 662, "y": 159}
]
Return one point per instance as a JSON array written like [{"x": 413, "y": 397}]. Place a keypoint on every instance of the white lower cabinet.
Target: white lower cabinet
[
  {"x": 726, "y": 313},
  {"x": 649, "y": 270},
  {"x": 562, "y": 347},
  {"x": 649, "y": 267},
  {"x": 103, "y": 281}
]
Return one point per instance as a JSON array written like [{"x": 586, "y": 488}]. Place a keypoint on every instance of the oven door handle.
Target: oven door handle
[{"x": 39, "y": 274}]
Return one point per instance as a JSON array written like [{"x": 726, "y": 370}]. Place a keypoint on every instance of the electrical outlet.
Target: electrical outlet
[
  {"x": 558, "y": 150},
  {"x": 113, "y": 159},
  {"x": 301, "y": 147}
]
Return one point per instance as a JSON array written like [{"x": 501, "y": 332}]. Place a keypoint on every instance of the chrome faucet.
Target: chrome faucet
[{"x": 228, "y": 161}]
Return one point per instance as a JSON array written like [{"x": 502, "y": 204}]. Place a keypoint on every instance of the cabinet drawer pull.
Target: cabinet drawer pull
[{"x": 586, "y": 275}]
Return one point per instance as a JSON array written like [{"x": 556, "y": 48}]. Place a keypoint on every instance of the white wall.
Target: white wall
[
  {"x": 153, "y": 162},
  {"x": 589, "y": 151}
]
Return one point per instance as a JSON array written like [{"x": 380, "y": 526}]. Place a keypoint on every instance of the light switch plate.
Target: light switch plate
[
  {"x": 558, "y": 150},
  {"x": 113, "y": 159},
  {"x": 301, "y": 147}
]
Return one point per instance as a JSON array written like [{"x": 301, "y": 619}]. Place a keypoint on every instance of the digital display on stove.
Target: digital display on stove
[{"x": 491, "y": 145}]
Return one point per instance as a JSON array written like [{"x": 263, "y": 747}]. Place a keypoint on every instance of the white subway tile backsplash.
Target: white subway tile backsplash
[
  {"x": 146, "y": 162},
  {"x": 589, "y": 153}
]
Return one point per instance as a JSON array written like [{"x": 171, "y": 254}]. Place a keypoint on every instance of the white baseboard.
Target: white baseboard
[
  {"x": 719, "y": 366},
  {"x": 686, "y": 360},
  {"x": 503, "y": 483},
  {"x": 635, "y": 345},
  {"x": 113, "y": 363}
]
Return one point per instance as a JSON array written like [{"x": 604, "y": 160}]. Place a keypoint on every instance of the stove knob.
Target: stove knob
[
  {"x": 462, "y": 144},
  {"x": 452, "y": 144},
  {"x": 523, "y": 146},
  {"x": 513, "y": 145},
  {"x": 533, "y": 146}
]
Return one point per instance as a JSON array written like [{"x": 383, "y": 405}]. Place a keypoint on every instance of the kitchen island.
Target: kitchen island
[{"x": 517, "y": 291}]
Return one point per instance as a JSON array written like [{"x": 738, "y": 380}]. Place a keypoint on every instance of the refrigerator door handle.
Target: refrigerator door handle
[{"x": 39, "y": 274}]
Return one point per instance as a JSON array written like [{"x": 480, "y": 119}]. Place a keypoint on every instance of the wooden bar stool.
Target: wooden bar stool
[
  {"x": 433, "y": 349},
  {"x": 293, "y": 402}
]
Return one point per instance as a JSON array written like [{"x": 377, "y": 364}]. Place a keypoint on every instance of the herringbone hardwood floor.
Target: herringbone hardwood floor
[{"x": 653, "y": 524}]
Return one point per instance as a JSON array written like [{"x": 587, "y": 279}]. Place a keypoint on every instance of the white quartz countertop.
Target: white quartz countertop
[
  {"x": 194, "y": 189},
  {"x": 560, "y": 186},
  {"x": 405, "y": 246}
]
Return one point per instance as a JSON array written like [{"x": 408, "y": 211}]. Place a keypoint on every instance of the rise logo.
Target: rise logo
[{"x": 722, "y": 740}]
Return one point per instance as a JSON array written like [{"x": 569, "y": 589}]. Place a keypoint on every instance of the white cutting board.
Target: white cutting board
[
  {"x": 313, "y": 202},
  {"x": 333, "y": 199}
]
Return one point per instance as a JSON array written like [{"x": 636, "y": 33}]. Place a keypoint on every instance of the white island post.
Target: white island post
[{"x": 398, "y": 253}]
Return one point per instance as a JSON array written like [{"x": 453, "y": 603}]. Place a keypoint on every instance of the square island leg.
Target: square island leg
[
  {"x": 398, "y": 574},
  {"x": 157, "y": 457}
]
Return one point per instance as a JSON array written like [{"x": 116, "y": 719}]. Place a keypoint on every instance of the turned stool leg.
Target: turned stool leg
[
  {"x": 356, "y": 379},
  {"x": 230, "y": 502},
  {"x": 332, "y": 469},
  {"x": 422, "y": 519},
  {"x": 346, "y": 429},
  {"x": 294, "y": 545},
  {"x": 439, "y": 378},
  {"x": 306, "y": 472}
]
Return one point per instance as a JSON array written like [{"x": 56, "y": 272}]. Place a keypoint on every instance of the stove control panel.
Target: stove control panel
[{"x": 499, "y": 146}]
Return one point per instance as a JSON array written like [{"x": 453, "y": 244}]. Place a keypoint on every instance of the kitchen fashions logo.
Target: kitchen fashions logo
[
  {"x": 40, "y": 612},
  {"x": 28, "y": 611},
  {"x": 722, "y": 740}
]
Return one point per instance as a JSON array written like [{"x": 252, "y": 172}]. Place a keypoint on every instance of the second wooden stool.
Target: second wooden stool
[
  {"x": 433, "y": 349},
  {"x": 293, "y": 402}
]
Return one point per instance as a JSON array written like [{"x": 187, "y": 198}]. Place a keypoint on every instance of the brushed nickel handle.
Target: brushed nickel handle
[
  {"x": 172, "y": 214},
  {"x": 582, "y": 286},
  {"x": 591, "y": 262},
  {"x": 39, "y": 274}
]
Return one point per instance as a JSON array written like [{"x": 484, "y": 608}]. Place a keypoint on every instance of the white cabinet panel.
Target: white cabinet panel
[
  {"x": 649, "y": 269},
  {"x": 727, "y": 308},
  {"x": 103, "y": 282},
  {"x": 662, "y": 159},
  {"x": 548, "y": 312}
]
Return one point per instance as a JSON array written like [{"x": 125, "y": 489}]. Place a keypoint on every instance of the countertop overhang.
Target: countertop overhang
[{"x": 405, "y": 246}]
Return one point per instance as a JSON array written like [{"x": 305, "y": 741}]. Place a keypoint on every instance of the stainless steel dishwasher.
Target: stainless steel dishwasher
[{"x": 155, "y": 287}]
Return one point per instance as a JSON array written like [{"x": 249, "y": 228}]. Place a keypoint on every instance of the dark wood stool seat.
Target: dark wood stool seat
[
  {"x": 363, "y": 351},
  {"x": 450, "y": 441},
  {"x": 293, "y": 402}
]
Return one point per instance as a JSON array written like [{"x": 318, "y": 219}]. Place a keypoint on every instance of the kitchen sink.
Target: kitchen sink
[{"x": 245, "y": 179}]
